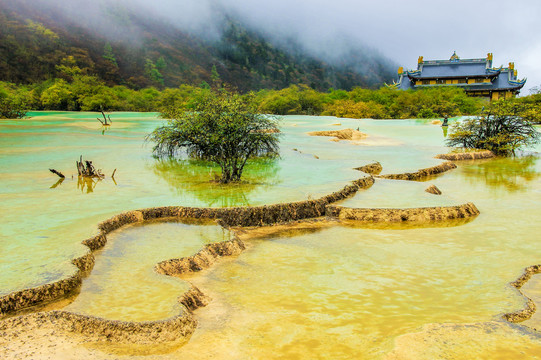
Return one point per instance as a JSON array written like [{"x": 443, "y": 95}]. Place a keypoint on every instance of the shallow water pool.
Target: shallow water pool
[{"x": 341, "y": 292}]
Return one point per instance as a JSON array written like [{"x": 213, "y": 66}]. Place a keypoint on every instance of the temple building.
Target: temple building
[{"x": 476, "y": 76}]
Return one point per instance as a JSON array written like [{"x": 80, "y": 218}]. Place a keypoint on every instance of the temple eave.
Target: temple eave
[
  {"x": 453, "y": 77},
  {"x": 472, "y": 87},
  {"x": 516, "y": 88}
]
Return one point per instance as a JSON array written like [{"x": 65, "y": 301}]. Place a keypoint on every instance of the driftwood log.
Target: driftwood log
[{"x": 57, "y": 173}]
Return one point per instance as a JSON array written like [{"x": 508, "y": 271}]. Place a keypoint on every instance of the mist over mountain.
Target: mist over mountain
[{"x": 139, "y": 44}]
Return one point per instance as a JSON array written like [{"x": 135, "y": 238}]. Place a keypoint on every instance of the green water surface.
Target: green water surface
[{"x": 341, "y": 292}]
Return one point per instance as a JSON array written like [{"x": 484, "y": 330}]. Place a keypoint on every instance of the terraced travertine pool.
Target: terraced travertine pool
[{"x": 341, "y": 291}]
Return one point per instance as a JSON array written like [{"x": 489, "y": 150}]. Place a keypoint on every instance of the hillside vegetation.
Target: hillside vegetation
[
  {"x": 89, "y": 93},
  {"x": 37, "y": 43},
  {"x": 130, "y": 61}
]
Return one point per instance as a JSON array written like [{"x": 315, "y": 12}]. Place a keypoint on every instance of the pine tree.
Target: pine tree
[{"x": 108, "y": 54}]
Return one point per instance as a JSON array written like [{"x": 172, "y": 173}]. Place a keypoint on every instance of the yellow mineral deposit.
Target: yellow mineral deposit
[
  {"x": 331, "y": 277},
  {"x": 344, "y": 134}
]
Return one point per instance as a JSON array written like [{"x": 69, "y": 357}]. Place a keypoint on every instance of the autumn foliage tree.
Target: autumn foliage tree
[{"x": 222, "y": 127}]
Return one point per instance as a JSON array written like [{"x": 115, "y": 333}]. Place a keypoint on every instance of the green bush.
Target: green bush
[
  {"x": 13, "y": 101},
  {"x": 500, "y": 129},
  {"x": 223, "y": 127},
  {"x": 426, "y": 113},
  {"x": 78, "y": 90}
]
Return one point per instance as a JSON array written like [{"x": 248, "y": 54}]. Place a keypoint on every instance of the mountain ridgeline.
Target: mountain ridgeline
[{"x": 40, "y": 43}]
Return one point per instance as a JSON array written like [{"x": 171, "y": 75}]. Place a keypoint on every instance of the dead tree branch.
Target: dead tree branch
[
  {"x": 105, "y": 118},
  {"x": 57, "y": 173}
]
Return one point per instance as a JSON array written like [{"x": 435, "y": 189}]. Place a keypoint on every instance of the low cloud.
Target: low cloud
[{"x": 396, "y": 29}]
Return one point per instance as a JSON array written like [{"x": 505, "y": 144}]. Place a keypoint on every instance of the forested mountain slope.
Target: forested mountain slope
[{"x": 38, "y": 43}]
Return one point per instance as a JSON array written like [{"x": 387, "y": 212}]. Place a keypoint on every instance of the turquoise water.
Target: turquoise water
[
  {"x": 43, "y": 222},
  {"x": 339, "y": 292}
]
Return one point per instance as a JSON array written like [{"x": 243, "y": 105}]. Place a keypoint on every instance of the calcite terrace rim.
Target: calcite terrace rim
[
  {"x": 421, "y": 174},
  {"x": 26, "y": 299},
  {"x": 529, "y": 305},
  {"x": 473, "y": 155},
  {"x": 119, "y": 331},
  {"x": 421, "y": 214},
  {"x": 226, "y": 217}
]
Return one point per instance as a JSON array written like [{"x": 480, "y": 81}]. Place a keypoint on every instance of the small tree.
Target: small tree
[
  {"x": 12, "y": 109},
  {"x": 153, "y": 73},
  {"x": 12, "y": 104},
  {"x": 500, "y": 129},
  {"x": 215, "y": 76},
  {"x": 222, "y": 127},
  {"x": 109, "y": 55}
]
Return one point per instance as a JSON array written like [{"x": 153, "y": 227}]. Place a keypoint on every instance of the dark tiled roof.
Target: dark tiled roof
[
  {"x": 454, "y": 70},
  {"x": 503, "y": 81},
  {"x": 423, "y": 77}
]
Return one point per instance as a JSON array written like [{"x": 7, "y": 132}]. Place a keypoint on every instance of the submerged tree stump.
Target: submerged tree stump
[{"x": 86, "y": 169}]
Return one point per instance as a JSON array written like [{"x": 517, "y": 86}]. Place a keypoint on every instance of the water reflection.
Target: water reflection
[
  {"x": 104, "y": 128},
  {"x": 84, "y": 184},
  {"x": 59, "y": 182},
  {"x": 88, "y": 183},
  {"x": 445, "y": 129},
  {"x": 512, "y": 174},
  {"x": 199, "y": 178},
  {"x": 404, "y": 225},
  {"x": 342, "y": 292}
]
